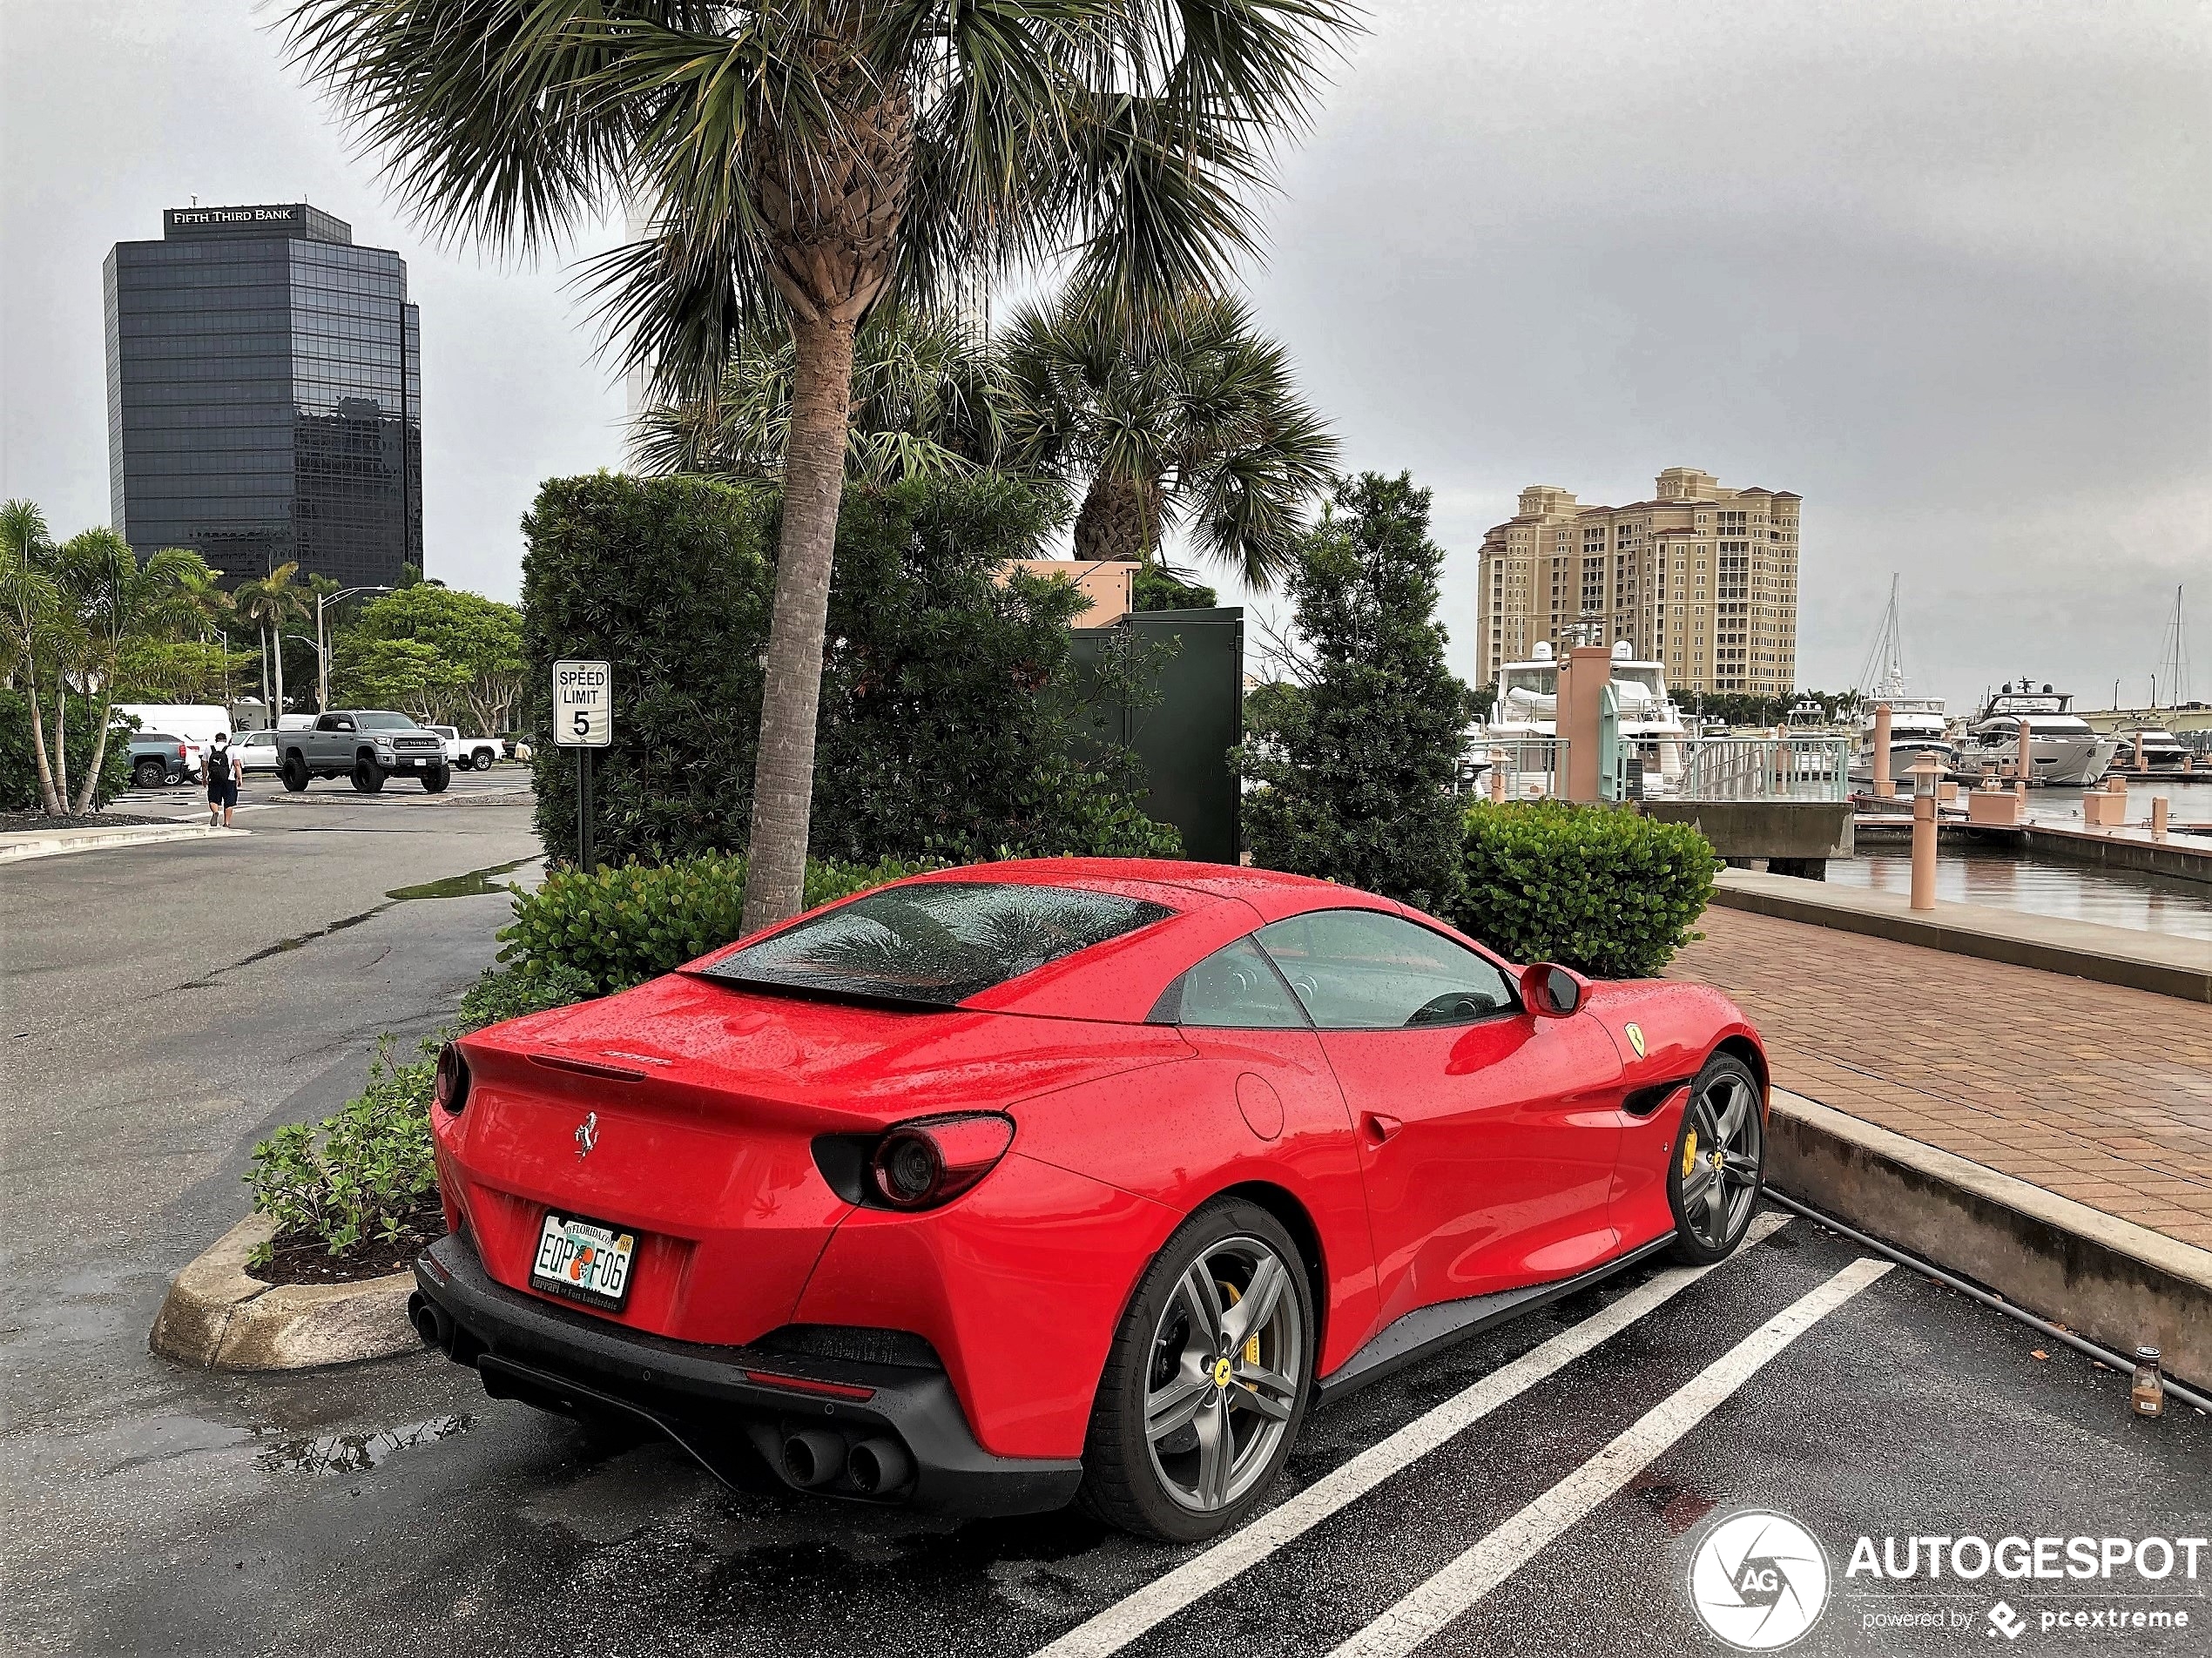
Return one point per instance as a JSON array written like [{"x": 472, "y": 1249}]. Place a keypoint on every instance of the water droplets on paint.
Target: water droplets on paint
[{"x": 358, "y": 1453}]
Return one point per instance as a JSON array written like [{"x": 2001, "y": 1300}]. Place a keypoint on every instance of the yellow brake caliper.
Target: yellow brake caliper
[
  {"x": 1251, "y": 1343},
  {"x": 1689, "y": 1152}
]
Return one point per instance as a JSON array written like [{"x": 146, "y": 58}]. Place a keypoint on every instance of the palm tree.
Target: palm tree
[
  {"x": 28, "y": 601},
  {"x": 118, "y": 599},
  {"x": 929, "y": 400},
  {"x": 1197, "y": 420},
  {"x": 269, "y": 603},
  {"x": 802, "y": 160}
]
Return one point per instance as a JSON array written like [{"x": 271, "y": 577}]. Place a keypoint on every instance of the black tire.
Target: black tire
[
  {"x": 435, "y": 780},
  {"x": 368, "y": 777},
  {"x": 484, "y": 759},
  {"x": 1124, "y": 1483},
  {"x": 293, "y": 773},
  {"x": 150, "y": 774},
  {"x": 1703, "y": 1235}
]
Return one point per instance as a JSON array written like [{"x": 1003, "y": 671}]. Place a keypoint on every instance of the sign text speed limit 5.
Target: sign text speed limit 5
[{"x": 584, "y": 703}]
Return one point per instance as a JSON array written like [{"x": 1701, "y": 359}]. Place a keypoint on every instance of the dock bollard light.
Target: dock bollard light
[{"x": 2147, "y": 1396}]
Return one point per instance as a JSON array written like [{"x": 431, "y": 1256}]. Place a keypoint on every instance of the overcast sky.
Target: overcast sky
[{"x": 1942, "y": 266}]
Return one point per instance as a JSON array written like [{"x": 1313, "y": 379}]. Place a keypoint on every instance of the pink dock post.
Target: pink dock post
[
  {"x": 2158, "y": 817},
  {"x": 1497, "y": 774},
  {"x": 1885, "y": 785},
  {"x": 1925, "y": 772},
  {"x": 2139, "y": 765},
  {"x": 2027, "y": 751}
]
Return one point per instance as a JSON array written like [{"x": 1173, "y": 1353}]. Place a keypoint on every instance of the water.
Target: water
[{"x": 1976, "y": 872}]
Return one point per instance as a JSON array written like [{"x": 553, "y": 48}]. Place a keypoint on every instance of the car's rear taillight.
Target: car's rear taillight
[
  {"x": 932, "y": 1160},
  {"x": 181, "y": 753},
  {"x": 451, "y": 1088}
]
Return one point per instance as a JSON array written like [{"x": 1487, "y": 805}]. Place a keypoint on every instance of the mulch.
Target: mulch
[
  {"x": 13, "y": 822},
  {"x": 312, "y": 1262}
]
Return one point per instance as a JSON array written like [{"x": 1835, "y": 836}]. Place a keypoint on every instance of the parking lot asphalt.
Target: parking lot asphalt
[{"x": 1540, "y": 1489}]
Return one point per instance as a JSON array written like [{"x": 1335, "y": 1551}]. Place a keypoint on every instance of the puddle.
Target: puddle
[
  {"x": 358, "y": 1453},
  {"x": 477, "y": 883}
]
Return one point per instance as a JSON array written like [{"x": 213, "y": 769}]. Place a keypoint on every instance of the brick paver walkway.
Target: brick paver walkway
[{"x": 2100, "y": 1093}]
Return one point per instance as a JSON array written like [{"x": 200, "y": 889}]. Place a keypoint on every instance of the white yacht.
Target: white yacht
[
  {"x": 1917, "y": 724},
  {"x": 2062, "y": 747},
  {"x": 1527, "y": 709},
  {"x": 2161, "y": 749}
]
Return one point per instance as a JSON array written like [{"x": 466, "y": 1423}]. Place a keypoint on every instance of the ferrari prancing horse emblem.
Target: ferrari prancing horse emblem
[
  {"x": 1635, "y": 1037},
  {"x": 587, "y": 1132}
]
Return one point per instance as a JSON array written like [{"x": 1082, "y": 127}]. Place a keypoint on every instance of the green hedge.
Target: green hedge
[
  {"x": 952, "y": 725},
  {"x": 617, "y": 928},
  {"x": 361, "y": 1178},
  {"x": 1609, "y": 893},
  {"x": 19, "y": 762}
]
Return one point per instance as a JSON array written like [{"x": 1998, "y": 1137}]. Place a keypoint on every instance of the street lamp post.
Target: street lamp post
[{"x": 322, "y": 653}]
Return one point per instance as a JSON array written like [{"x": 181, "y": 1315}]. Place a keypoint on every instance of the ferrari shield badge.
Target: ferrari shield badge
[{"x": 1634, "y": 1033}]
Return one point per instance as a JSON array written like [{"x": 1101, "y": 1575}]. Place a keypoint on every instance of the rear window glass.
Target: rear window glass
[{"x": 936, "y": 943}]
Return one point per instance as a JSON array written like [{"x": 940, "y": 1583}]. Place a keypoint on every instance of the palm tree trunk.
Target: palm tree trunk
[
  {"x": 91, "y": 786},
  {"x": 783, "y": 777},
  {"x": 50, "y": 799},
  {"x": 276, "y": 653},
  {"x": 1120, "y": 520},
  {"x": 61, "y": 741}
]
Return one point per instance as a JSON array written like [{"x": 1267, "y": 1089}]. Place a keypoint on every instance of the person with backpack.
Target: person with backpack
[{"x": 225, "y": 768}]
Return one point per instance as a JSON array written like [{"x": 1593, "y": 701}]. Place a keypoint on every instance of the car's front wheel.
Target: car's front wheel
[
  {"x": 435, "y": 780},
  {"x": 1208, "y": 1381},
  {"x": 368, "y": 777},
  {"x": 1719, "y": 1164}
]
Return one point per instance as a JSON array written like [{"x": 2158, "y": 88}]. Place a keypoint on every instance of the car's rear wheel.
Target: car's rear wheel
[
  {"x": 294, "y": 773},
  {"x": 368, "y": 777},
  {"x": 150, "y": 774},
  {"x": 1208, "y": 1380},
  {"x": 484, "y": 758},
  {"x": 1719, "y": 1164}
]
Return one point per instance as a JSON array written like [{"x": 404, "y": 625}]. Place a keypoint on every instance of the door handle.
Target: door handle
[{"x": 1378, "y": 1128}]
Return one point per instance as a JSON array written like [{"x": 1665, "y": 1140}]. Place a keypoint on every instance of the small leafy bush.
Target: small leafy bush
[
  {"x": 616, "y": 927},
  {"x": 361, "y": 1176},
  {"x": 1609, "y": 893},
  {"x": 516, "y": 988}
]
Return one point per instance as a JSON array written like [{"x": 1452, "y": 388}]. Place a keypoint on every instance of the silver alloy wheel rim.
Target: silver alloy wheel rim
[
  {"x": 1212, "y": 1432},
  {"x": 1722, "y": 1181}
]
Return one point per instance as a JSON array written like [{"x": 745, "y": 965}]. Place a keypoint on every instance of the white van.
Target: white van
[{"x": 197, "y": 721}]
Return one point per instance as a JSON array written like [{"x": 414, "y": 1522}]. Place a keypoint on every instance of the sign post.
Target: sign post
[{"x": 583, "y": 719}]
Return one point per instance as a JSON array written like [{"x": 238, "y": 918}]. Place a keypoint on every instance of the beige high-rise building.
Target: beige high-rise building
[{"x": 1699, "y": 578}]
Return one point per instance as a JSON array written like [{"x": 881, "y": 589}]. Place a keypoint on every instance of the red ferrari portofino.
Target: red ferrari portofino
[{"x": 1006, "y": 1185}]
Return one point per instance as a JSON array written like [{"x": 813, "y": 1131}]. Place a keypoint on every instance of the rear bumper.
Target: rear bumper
[{"x": 731, "y": 1407}]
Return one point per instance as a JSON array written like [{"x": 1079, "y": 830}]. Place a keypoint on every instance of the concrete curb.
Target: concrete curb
[
  {"x": 2117, "y": 955},
  {"x": 2113, "y": 1281},
  {"x": 64, "y": 841},
  {"x": 218, "y": 1317}
]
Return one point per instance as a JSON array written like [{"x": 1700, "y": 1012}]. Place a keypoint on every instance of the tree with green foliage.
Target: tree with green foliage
[
  {"x": 446, "y": 656},
  {"x": 803, "y": 160},
  {"x": 269, "y": 604},
  {"x": 929, "y": 400},
  {"x": 1193, "y": 423},
  {"x": 953, "y": 721},
  {"x": 1156, "y": 587},
  {"x": 30, "y": 599},
  {"x": 1356, "y": 755}
]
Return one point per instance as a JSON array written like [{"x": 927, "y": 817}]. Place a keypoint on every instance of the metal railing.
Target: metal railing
[
  {"x": 1521, "y": 768},
  {"x": 1756, "y": 768}
]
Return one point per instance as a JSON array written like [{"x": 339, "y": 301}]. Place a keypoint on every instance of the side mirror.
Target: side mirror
[{"x": 1551, "y": 991}]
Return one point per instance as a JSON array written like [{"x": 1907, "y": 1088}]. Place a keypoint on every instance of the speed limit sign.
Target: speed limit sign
[{"x": 584, "y": 703}]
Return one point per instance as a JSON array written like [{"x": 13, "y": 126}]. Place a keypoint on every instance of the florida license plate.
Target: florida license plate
[{"x": 583, "y": 1261}]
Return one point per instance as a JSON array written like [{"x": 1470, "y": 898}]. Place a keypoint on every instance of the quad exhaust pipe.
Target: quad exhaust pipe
[
  {"x": 430, "y": 1322},
  {"x": 813, "y": 1457},
  {"x": 878, "y": 1464}
]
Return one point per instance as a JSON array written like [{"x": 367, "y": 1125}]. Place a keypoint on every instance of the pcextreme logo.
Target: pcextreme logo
[{"x": 1758, "y": 1580}]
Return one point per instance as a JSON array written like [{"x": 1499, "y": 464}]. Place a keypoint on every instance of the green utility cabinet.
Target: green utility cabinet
[{"x": 1189, "y": 712}]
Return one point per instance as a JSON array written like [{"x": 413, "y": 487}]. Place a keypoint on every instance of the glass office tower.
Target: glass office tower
[{"x": 264, "y": 395}]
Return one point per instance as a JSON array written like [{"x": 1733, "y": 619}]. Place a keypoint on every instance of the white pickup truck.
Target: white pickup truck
[
  {"x": 367, "y": 744},
  {"x": 468, "y": 753}
]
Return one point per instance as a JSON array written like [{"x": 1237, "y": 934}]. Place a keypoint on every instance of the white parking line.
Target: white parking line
[
  {"x": 1167, "y": 1595},
  {"x": 1497, "y": 1556}
]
